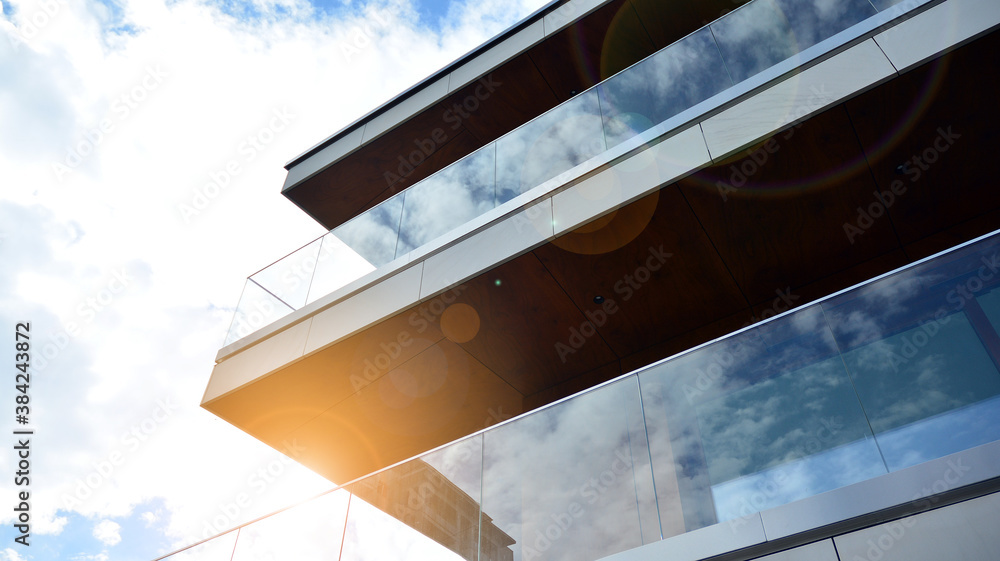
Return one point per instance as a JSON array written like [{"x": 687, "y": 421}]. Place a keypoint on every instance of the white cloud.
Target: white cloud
[
  {"x": 94, "y": 557},
  {"x": 9, "y": 554},
  {"x": 108, "y": 532}
]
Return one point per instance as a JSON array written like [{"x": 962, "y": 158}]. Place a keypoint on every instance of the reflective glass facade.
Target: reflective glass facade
[
  {"x": 896, "y": 372},
  {"x": 692, "y": 71}
]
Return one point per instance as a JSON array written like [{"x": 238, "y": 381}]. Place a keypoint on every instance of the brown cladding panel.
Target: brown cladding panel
[
  {"x": 436, "y": 397},
  {"x": 272, "y": 406},
  {"x": 527, "y": 321},
  {"x": 663, "y": 280},
  {"x": 667, "y": 21},
  {"x": 501, "y": 101},
  {"x": 944, "y": 136},
  {"x": 589, "y": 51},
  {"x": 778, "y": 215}
]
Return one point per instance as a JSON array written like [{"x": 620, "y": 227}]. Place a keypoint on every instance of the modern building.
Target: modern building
[{"x": 645, "y": 279}]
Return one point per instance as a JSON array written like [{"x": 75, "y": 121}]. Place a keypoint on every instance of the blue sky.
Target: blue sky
[
  {"x": 114, "y": 116},
  {"x": 431, "y": 11}
]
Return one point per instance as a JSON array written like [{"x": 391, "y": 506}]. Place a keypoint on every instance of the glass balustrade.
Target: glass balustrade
[
  {"x": 741, "y": 44},
  {"x": 896, "y": 372}
]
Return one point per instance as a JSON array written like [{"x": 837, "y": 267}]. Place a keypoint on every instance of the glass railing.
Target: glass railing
[
  {"x": 743, "y": 43},
  {"x": 899, "y": 371}
]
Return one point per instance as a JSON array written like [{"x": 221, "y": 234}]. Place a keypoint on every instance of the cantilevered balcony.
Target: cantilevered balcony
[
  {"x": 880, "y": 402},
  {"x": 640, "y": 218},
  {"x": 688, "y": 79}
]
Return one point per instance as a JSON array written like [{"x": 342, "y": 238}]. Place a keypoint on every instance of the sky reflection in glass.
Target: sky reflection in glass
[
  {"x": 763, "y": 33},
  {"x": 437, "y": 495},
  {"x": 554, "y": 142},
  {"x": 661, "y": 86},
  {"x": 373, "y": 234},
  {"x": 448, "y": 199},
  {"x": 562, "y": 482}
]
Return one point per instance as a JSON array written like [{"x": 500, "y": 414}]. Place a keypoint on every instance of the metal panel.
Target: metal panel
[
  {"x": 365, "y": 308},
  {"x": 497, "y": 55},
  {"x": 818, "y": 551},
  {"x": 427, "y": 96},
  {"x": 788, "y": 102},
  {"x": 485, "y": 249},
  {"x": 630, "y": 179},
  {"x": 966, "y": 531},
  {"x": 937, "y": 30},
  {"x": 889, "y": 490},
  {"x": 700, "y": 544},
  {"x": 315, "y": 163},
  {"x": 259, "y": 360},
  {"x": 568, "y": 13}
]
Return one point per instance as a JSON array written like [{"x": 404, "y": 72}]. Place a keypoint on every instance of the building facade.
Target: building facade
[{"x": 645, "y": 279}]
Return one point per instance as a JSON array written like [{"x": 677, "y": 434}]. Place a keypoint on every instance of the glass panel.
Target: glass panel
[
  {"x": 764, "y": 418},
  {"x": 903, "y": 5},
  {"x": 813, "y": 21},
  {"x": 373, "y": 234},
  {"x": 336, "y": 265},
  {"x": 373, "y": 535},
  {"x": 437, "y": 495},
  {"x": 256, "y": 309},
  {"x": 765, "y": 32},
  {"x": 561, "y": 483},
  {"x": 922, "y": 347},
  {"x": 668, "y": 82},
  {"x": 554, "y": 142},
  {"x": 645, "y": 490},
  {"x": 753, "y": 38},
  {"x": 219, "y": 548},
  {"x": 448, "y": 199},
  {"x": 289, "y": 278},
  {"x": 311, "y": 531}
]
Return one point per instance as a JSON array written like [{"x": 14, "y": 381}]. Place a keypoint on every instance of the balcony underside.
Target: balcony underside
[
  {"x": 774, "y": 226},
  {"x": 611, "y": 38}
]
